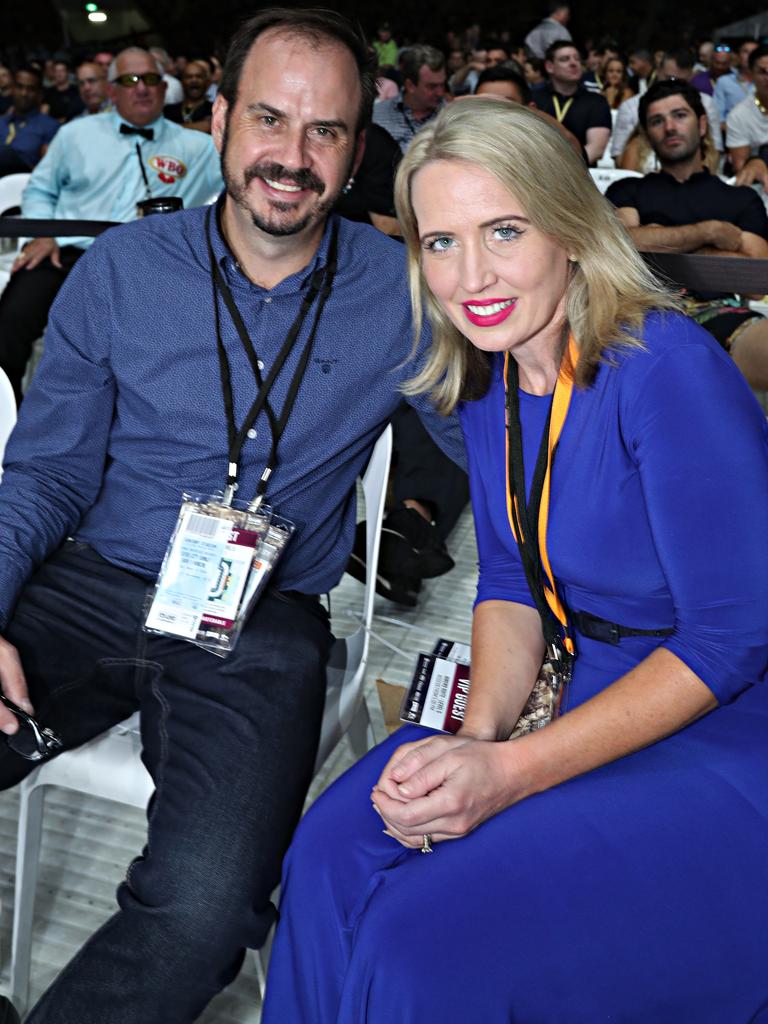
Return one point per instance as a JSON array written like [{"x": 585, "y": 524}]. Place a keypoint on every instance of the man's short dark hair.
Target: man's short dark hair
[
  {"x": 560, "y": 44},
  {"x": 754, "y": 57},
  {"x": 414, "y": 59},
  {"x": 557, "y": 5},
  {"x": 642, "y": 54},
  {"x": 29, "y": 69},
  {"x": 669, "y": 87},
  {"x": 315, "y": 25},
  {"x": 504, "y": 72},
  {"x": 683, "y": 58}
]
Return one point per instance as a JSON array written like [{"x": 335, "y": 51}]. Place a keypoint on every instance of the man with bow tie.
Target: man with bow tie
[{"x": 98, "y": 168}]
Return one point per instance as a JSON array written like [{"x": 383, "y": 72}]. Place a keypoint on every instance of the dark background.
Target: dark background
[{"x": 203, "y": 27}]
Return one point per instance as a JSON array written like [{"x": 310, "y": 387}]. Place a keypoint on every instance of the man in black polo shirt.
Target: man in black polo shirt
[
  {"x": 683, "y": 208},
  {"x": 584, "y": 113}
]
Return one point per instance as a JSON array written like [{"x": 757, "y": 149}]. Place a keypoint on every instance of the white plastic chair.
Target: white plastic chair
[
  {"x": 11, "y": 189},
  {"x": 7, "y": 412},
  {"x": 605, "y": 176},
  {"x": 110, "y": 766}
]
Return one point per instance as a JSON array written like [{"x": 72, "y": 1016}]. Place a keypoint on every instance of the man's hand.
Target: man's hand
[
  {"x": 14, "y": 686},
  {"x": 754, "y": 171},
  {"x": 722, "y": 235},
  {"x": 444, "y": 786},
  {"x": 34, "y": 252}
]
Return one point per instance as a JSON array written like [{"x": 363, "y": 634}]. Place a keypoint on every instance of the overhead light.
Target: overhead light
[
  {"x": 97, "y": 16},
  {"x": 91, "y": 7}
]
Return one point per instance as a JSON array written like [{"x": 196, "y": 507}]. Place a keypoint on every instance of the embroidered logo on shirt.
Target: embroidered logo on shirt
[{"x": 169, "y": 168}]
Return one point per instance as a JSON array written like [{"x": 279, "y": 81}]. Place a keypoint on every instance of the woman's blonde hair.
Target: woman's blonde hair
[{"x": 610, "y": 289}]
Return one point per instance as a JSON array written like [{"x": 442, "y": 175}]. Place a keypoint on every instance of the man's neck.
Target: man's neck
[
  {"x": 416, "y": 114},
  {"x": 267, "y": 259},
  {"x": 684, "y": 170},
  {"x": 565, "y": 88}
]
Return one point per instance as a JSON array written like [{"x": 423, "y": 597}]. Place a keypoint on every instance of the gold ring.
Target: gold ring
[{"x": 426, "y": 846}]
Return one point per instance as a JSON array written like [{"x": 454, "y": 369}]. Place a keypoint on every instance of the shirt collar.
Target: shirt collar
[
  {"x": 291, "y": 285},
  {"x": 698, "y": 176},
  {"x": 157, "y": 125}
]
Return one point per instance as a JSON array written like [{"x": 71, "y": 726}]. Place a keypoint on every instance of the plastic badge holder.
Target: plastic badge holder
[
  {"x": 276, "y": 533},
  {"x": 206, "y": 586}
]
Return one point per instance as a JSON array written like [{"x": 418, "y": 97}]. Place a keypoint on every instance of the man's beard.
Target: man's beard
[
  {"x": 679, "y": 156},
  {"x": 304, "y": 178}
]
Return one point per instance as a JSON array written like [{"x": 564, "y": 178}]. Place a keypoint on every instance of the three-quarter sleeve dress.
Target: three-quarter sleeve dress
[{"x": 637, "y": 892}]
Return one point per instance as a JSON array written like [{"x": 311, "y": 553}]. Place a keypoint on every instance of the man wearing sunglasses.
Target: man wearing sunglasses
[{"x": 98, "y": 170}]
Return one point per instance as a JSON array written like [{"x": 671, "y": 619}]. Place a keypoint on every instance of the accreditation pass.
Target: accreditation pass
[{"x": 191, "y": 568}]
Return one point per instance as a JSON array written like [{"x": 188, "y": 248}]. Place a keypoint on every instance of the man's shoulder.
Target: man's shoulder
[
  {"x": 45, "y": 122},
  {"x": 386, "y": 108},
  {"x": 742, "y": 111},
  {"x": 196, "y": 142},
  {"x": 627, "y": 191},
  {"x": 366, "y": 246}
]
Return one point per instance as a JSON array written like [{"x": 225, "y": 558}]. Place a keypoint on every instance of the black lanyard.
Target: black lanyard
[
  {"x": 320, "y": 284},
  {"x": 525, "y": 511},
  {"x": 143, "y": 171}
]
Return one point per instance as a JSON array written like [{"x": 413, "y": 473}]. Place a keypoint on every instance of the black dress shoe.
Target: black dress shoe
[
  {"x": 8, "y": 1014},
  {"x": 412, "y": 546},
  {"x": 394, "y": 586}
]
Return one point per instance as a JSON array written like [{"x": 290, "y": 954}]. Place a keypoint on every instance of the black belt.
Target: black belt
[{"x": 595, "y": 628}]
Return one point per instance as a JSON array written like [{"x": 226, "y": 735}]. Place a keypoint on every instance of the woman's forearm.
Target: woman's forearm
[
  {"x": 658, "y": 697},
  {"x": 507, "y": 651}
]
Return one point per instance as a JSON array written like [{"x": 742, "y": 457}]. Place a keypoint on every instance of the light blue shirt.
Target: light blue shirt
[
  {"x": 92, "y": 172},
  {"x": 730, "y": 90}
]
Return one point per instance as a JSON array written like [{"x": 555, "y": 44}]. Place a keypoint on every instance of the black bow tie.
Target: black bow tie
[{"x": 146, "y": 133}]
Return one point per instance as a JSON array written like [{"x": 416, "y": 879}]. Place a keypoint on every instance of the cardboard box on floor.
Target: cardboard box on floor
[{"x": 390, "y": 697}]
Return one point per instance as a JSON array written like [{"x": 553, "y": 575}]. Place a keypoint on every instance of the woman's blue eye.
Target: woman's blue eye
[
  {"x": 506, "y": 233},
  {"x": 440, "y": 244}
]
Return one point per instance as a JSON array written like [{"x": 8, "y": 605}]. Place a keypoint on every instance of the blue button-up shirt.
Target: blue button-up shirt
[
  {"x": 28, "y": 133},
  {"x": 125, "y": 411},
  {"x": 730, "y": 89},
  {"x": 93, "y": 172}
]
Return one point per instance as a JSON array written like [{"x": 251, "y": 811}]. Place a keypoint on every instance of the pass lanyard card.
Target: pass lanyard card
[{"x": 213, "y": 571}]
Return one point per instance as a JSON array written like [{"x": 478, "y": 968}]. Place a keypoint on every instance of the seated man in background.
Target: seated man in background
[
  {"x": 677, "y": 64},
  {"x": 422, "y": 96},
  {"x": 62, "y": 98},
  {"x": 195, "y": 109},
  {"x": 94, "y": 88},
  {"x": 98, "y": 169},
  {"x": 25, "y": 131},
  {"x": 732, "y": 88},
  {"x": 747, "y": 123},
  {"x": 683, "y": 208},
  {"x": 584, "y": 113}
]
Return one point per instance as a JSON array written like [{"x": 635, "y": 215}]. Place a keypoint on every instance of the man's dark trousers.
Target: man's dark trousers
[
  {"x": 24, "y": 307},
  {"x": 230, "y": 744}
]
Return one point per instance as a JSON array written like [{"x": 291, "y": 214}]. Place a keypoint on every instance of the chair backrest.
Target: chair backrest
[
  {"x": 7, "y": 412},
  {"x": 11, "y": 189},
  {"x": 605, "y": 176},
  {"x": 344, "y": 692}
]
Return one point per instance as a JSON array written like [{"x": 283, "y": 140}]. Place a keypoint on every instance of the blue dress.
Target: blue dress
[{"x": 639, "y": 891}]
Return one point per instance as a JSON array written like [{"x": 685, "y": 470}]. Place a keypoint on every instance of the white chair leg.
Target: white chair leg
[
  {"x": 360, "y": 732},
  {"x": 27, "y": 863}
]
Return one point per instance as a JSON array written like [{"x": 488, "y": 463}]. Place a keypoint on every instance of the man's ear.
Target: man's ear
[
  {"x": 219, "y": 120},
  {"x": 703, "y": 126}
]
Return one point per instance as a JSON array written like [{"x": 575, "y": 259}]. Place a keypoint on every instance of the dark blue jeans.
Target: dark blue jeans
[{"x": 230, "y": 745}]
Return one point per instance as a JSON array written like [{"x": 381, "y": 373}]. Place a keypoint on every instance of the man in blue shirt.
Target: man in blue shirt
[
  {"x": 97, "y": 168},
  {"x": 25, "y": 131},
  {"x": 126, "y": 412}
]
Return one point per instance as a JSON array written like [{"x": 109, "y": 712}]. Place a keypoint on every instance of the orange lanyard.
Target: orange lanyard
[{"x": 561, "y": 400}]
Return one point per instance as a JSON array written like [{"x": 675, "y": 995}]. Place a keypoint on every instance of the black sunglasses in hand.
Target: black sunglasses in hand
[{"x": 33, "y": 741}]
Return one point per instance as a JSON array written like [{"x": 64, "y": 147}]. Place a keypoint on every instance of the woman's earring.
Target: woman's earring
[{"x": 348, "y": 187}]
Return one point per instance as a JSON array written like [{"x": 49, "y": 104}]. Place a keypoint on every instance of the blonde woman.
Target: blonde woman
[{"x": 610, "y": 866}]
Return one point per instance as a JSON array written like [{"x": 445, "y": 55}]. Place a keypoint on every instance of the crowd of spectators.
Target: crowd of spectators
[{"x": 590, "y": 89}]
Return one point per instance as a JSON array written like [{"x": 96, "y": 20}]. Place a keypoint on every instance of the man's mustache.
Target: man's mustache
[{"x": 303, "y": 178}]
